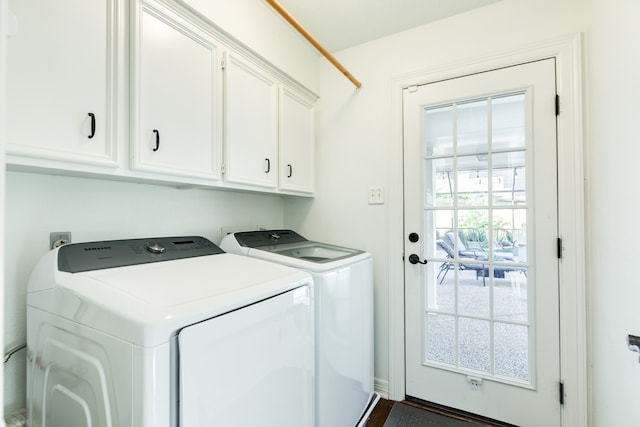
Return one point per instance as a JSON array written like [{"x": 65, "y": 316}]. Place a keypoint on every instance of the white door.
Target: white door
[
  {"x": 250, "y": 124},
  {"x": 60, "y": 80},
  {"x": 482, "y": 322},
  {"x": 177, "y": 113},
  {"x": 296, "y": 143}
]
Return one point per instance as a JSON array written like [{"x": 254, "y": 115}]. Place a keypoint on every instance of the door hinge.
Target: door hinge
[
  {"x": 557, "y": 105},
  {"x": 559, "y": 248},
  {"x": 223, "y": 168},
  {"x": 223, "y": 61},
  {"x": 561, "y": 389}
]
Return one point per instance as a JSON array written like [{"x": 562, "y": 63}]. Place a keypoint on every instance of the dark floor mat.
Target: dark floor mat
[{"x": 408, "y": 416}]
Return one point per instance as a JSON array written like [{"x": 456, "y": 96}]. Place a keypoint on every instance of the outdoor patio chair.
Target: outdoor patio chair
[
  {"x": 448, "y": 265},
  {"x": 466, "y": 252},
  {"x": 463, "y": 252},
  {"x": 481, "y": 269}
]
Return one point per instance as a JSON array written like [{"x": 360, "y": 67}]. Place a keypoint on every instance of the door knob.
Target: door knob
[{"x": 415, "y": 259}]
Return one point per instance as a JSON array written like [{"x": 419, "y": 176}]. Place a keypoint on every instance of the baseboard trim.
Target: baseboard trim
[{"x": 381, "y": 387}]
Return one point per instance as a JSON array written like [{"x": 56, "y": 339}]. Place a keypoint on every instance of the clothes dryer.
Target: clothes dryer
[
  {"x": 168, "y": 332},
  {"x": 343, "y": 283}
]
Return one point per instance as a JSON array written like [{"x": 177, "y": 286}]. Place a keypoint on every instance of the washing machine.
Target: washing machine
[
  {"x": 343, "y": 282},
  {"x": 168, "y": 332}
]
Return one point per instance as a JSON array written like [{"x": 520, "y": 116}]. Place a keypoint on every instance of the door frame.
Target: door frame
[{"x": 571, "y": 214}]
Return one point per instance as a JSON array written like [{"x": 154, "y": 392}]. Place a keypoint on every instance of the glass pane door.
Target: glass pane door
[
  {"x": 480, "y": 185},
  {"x": 476, "y": 213}
]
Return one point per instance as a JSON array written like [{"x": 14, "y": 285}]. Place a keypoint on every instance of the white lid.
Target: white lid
[{"x": 145, "y": 304}]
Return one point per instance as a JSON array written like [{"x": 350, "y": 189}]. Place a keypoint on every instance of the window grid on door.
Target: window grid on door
[{"x": 476, "y": 293}]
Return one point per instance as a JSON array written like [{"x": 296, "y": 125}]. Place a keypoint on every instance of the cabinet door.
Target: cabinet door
[
  {"x": 61, "y": 70},
  {"x": 251, "y": 124},
  {"x": 296, "y": 143},
  {"x": 176, "y": 87}
]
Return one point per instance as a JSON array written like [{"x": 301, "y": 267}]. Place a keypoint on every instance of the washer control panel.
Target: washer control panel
[
  {"x": 258, "y": 238},
  {"x": 78, "y": 257}
]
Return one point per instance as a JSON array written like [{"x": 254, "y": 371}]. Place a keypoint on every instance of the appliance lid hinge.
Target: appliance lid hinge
[
  {"x": 557, "y": 105},
  {"x": 561, "y": 388}
]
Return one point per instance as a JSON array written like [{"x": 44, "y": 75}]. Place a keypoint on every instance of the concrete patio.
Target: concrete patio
[{"x": 501, "y": 303}]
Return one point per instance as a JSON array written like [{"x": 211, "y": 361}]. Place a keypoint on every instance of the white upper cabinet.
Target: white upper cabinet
[
  {"x": 61, "y": 81},
  {"x": 89, "y": 81},
  {"x": 296, "y": 142},
  {"x": 250, "y": 124},
  {"x": 176, "y": 96}
]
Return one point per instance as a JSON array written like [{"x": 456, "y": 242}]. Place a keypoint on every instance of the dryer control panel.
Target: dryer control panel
[{"x": 78, "y": 257}]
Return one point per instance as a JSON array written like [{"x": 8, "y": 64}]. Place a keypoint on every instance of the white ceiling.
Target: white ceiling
[{"x": 339, "y": 24}]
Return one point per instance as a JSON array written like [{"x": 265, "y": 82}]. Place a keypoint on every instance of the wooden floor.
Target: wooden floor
[{"x": 380, "y": 413}]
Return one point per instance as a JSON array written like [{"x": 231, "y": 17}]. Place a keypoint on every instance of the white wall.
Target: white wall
[
  {"x": 355, "y": 128},
  {"x": 613, "y": 90},
  {"x": 97, "y": 210}
]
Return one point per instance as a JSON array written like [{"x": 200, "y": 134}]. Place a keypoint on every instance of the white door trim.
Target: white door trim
[
  {"x": 6, "y": 18},
  {"x": 573, "y": 320}
]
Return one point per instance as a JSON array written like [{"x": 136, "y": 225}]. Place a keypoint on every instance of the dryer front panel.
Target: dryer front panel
[{"x": 250, "y": 367}]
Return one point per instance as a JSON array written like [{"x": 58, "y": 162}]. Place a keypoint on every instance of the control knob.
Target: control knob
[{"x": 155, "y": 247}]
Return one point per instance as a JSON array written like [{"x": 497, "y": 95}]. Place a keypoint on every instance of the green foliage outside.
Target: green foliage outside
[{"x": 474, "y": 227}]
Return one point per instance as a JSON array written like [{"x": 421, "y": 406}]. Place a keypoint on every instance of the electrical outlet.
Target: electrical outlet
[
  {"x": 59, "y": 238},
  {"x": 376, "y": 196}
]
